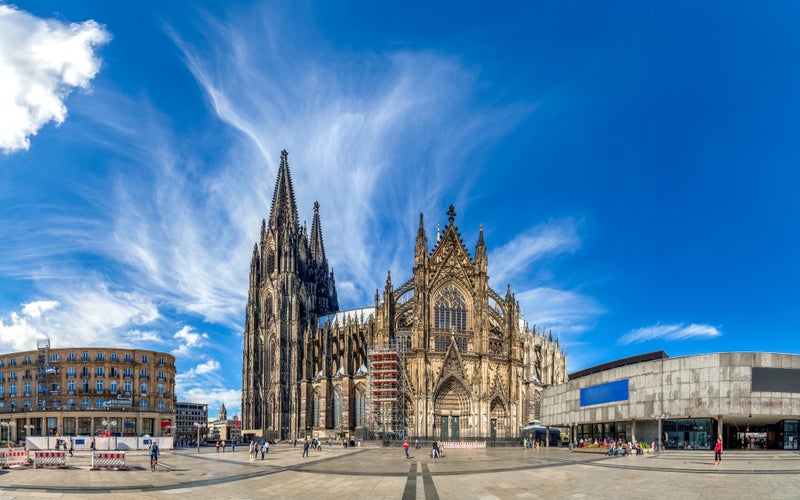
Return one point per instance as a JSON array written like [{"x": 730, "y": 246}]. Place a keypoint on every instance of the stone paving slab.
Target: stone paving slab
[{"x": 354, "y": 473}]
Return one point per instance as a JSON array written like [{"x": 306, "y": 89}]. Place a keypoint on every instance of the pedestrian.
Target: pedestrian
[
  {"x": 233, "y": 445},
  {"x": 305, "y": 448},
  {"x": 70, "y": 446},
  {"x": 223, "y": 446},
  {"x": 252, "y": 450},
  {"x": 416, "y": 443},
  {"x": 405, "y": 447},
  {"x": 718, "y": 452},
  {"x": 263, "y": 449},
  {"x": 217, "y": 445},
  {"x": 91, "y": 446}
]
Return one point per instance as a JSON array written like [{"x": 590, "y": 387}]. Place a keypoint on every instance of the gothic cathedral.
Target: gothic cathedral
[{"x": 445, "y": 354}]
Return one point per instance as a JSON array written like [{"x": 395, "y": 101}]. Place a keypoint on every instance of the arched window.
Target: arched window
[
  {"x": 450, "y": 310},
  {"x": 270, "y": 262}
]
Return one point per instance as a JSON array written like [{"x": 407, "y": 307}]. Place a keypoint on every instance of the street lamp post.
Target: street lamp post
[
  {"x": 198, "y": 425},
  {"x": 106, "y": 424}
]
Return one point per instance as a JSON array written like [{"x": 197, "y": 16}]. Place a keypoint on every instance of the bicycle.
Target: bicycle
[{"x": 153, "y": 462}]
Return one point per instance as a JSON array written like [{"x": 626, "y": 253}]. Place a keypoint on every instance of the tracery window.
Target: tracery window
[{"x": 450, "y": 310}]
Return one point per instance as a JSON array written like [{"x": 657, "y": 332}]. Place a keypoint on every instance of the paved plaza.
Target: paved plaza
[{"x": 385, "y": 473}]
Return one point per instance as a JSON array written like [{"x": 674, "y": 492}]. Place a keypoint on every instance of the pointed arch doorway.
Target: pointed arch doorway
[{"x": 451, "y": 410}]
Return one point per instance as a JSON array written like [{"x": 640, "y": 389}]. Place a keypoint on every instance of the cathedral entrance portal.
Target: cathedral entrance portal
[{"x": 451, "y": 403}]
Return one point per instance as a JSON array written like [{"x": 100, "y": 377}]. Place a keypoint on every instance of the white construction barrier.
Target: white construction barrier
[
  {"x": 462, "y": 444},
  {"x": 49, "y": 459},
  {"x": 105, "y": 460},
  {"x": 12, "y": 458}
]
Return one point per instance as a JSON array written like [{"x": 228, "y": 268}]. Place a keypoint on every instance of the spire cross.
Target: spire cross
[{"x": 451, "y": 214}]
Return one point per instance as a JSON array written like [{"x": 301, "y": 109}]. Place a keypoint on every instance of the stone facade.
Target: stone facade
[
  {"x": 719, "y": 387},
  {"x": 470, "y": 366},
  {"x": 72, "y": 391}
]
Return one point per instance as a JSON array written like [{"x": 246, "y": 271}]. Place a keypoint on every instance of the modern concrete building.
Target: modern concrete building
[
  {"x": 86, "y": 391},
  {"x": 186, "y": 416},
  {"x": 750, "y": 399}
]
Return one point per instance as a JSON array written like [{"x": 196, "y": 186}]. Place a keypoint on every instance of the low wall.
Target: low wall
[{"x": 101, "y": 443}]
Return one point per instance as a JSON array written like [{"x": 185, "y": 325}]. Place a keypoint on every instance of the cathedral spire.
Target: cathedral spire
[
  {"x": 317, "y": 245},
  {"x": 421, "y": 248},
  {"x": 284, "y": 207},
  {"x": 481, "y": 261}
]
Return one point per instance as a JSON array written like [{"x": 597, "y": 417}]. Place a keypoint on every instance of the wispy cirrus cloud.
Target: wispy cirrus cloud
[
  {"x": 670, "y": 333},
  {"x": 562, "y": 311},
  {"x": 534, "y": 244},
  {"x": 188, "y": 339},
  {"x": 352, "y": 136},
  {"x": 41, "y": 61}
]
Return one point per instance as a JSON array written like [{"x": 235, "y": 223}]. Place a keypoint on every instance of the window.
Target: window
[
  {"x": 143, "y": 390},
  {"x": 85, "y": 371},
  {"x": 99, "y": 371},
  {"x": 27, "y": 388},
  {"x": 113, "y": 387},
  {"x": 99, "y": 356},
  {"x": 2, "y": 390},
  {"x": 85, "y": 402},
  {"x": 27, "y": 360},
  {"x": 86, "y": 356},
  {"x": 12, "y": 390},
  {"x": 127, "y": 358},
  {"x": 12, "y": 362},
  {"x": 71, "y": 371},
  {"x": 98, "y": 403},
  {"x": 114, "y": 357},
  {"x": 2, "y": 377},
  {"x": 161, "y": 361},
  {"x": 143, "y": 404},
  {"x": 70, "y": 404},
  {"x": 54, "y": 358},
  {"x": 71, "y": 386},
  {"x": 99, "y": 386},
  {"x": 160, "y": 406},
  {"x": 144, "y": 358},
  {"x": 114, "y": 372},
  {"x": 12, "y": 375},
  {"x": 27, "y": 403},
  {"x": 161, "y": 376},
  {"x": 84, "y": 386},
  {"x": 128, "y": 373},
  {"x": 2, "y": 363},
  {"x": 71, "y": 356},
  {"x": 161, "y": 390},
  {"x": 127, "y": 387},
  {"x": 144, "y": 374},
  {"x": 450, "y": 310}
]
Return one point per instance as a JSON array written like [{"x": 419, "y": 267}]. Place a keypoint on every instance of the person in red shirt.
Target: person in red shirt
[
  {"x": 405, "y": 447},
  {"x": 718, "y": 452}
]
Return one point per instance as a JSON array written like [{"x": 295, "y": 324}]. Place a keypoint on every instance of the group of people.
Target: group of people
[
  {"x": 256, "y": 447},
  {"x": 621, "y": 448}
]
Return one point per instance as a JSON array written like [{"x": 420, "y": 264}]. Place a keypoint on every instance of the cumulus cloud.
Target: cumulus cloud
[
  {"x": 189, "y": 339},
  {"x": 669, "y": 332},
  {"x": 41, "y": 62},
  {"x": 35, "y": 309}
]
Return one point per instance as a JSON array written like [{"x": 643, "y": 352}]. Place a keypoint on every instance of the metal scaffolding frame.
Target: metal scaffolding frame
[{"x": 386, "y": 404}]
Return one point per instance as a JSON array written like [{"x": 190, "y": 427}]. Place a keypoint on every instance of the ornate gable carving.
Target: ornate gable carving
[{"x": 452, "y": 363}]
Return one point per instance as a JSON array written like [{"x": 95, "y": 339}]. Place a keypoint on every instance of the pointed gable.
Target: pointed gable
[{"x": 450, "y": 258}]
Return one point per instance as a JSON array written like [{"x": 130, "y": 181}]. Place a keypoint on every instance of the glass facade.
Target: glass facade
[
  {"x": 689, "y": 433},
  {"x": 602, "y": 431}
]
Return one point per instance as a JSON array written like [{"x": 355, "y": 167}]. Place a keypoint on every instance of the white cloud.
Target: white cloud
[
  {"x": 189, "y": 340},
  {"x": 669, "y": 332},
  {"x": 35, "y": 309},
  {"x": 41, "y": 61},
  {"x": 527, "y": 247},
  {"x": 85, "y": 313},
  {"x": 562, "y": 311}
]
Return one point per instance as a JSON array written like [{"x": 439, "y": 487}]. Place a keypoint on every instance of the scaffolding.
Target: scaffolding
[
  {"x": 45, "y": 370},
  {"x": 386, "y": 396}
]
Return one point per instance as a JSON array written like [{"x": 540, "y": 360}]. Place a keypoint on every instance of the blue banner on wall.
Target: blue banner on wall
[{"x": 605, "y": 393}]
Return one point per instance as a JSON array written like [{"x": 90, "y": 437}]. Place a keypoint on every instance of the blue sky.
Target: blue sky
[{"x": 634, "y": 165}]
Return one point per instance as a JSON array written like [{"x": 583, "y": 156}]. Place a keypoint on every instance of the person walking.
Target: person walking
[
  {"x": 263, "y": 449},
  {"x": 718, "y": 452},
  {"x": 217, "y": 445},
  {"x": 405, "y": 447},
  {"x": 305, "y": 448},
  {"x": 71, "y": 446}
]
